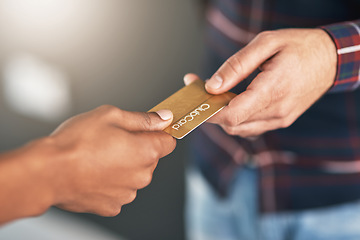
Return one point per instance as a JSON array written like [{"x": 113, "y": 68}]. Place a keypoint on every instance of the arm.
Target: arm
[
  {"x": 297, "y": 66},
  {"x": 94, "y": 162},
  {"x": 24, "y": 182}
]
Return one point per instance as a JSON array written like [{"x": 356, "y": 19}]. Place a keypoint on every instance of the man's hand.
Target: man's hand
[
  {"x": 94, "y": 162},
  {"x": 298, "y": 66}
]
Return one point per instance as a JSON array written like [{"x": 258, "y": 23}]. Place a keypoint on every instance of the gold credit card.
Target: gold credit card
[{"x": 192, "y": 105}]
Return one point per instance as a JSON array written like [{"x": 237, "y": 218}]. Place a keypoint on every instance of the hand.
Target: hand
[
  {"x": 106, "y": 155},
  {"x": 298, "y": 66},
  {"x": 94, "y": 162}
]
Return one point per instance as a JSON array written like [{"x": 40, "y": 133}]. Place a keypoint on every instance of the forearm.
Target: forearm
[{"x": 27, "y": 188}]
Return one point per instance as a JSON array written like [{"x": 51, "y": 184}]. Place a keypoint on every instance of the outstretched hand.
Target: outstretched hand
[
  {"x": 94, "y": 162},
  {"x": 108, "y": 154},
  {"x": 297, "y": 67}
]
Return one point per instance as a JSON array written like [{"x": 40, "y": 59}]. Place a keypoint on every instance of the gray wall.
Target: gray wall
[{"x": 128, "y": 53}]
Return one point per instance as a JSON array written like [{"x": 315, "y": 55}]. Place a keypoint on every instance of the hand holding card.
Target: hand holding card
[{"x": 192, "y": 105}]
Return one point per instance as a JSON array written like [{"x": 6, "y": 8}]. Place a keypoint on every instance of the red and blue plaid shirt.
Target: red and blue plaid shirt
[{"x": 316, "y": 161}]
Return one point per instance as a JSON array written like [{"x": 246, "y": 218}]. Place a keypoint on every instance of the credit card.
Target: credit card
[{"x": 192, "y": 105}]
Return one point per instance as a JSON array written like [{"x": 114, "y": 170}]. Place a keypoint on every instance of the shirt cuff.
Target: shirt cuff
[{"x": 346, "y": 37}]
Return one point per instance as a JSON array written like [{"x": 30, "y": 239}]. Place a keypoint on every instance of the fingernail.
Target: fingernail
[
  {"x": 165, "y": 114},
  {"x": 186, "y": 80},
  {"x": 215, "y": 82}
]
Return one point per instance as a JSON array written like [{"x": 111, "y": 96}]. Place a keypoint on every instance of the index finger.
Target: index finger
[
  {"x": 159, "y": 144},
  {"x": 243, "y": 106},
  {"x": 244, "y": 62}
]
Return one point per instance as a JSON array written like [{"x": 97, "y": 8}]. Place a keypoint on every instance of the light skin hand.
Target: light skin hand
[
  {"x": 297, "y": 66},
  {"x": 94, "y": 162}
]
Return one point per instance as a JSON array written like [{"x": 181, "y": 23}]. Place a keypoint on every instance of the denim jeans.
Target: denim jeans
[{"x": 209, "y": 217}]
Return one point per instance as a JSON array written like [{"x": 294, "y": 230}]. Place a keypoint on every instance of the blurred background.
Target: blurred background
[{"x": 63, "y": 57}]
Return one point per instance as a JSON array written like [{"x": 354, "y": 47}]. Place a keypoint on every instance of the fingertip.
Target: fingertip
[
  {"x": 214, "y": 84},
  {"x": 165, "y": 114},
  {"x": 165, "y": 118},
  {"x": 190, "y": 78}
]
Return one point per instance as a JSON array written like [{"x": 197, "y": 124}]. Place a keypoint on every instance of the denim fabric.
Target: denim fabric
[{"x": 210, "y": 217}]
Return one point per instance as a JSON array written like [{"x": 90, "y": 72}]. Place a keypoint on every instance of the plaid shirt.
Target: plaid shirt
[{"x": 316, "y": 161}]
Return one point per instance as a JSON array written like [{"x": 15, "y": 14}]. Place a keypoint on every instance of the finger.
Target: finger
[
  {"x": 190, "y": 78},
  {"x": 275, "y": 111},
  {"x": 264, "y": 115},
  {"x": 141, "y": 178},
  {"x": 157, "y": 144},
  {"x": 244, "y": 62},
  {"x": 265, "y": 65},
  {"x": 141, "y": 121},
  {"x": 256, "y": 128},
  {"x": 243, "y": 106}
]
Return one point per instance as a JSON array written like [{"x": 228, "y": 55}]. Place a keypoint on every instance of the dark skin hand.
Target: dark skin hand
[{"x": 94, "y": 162}]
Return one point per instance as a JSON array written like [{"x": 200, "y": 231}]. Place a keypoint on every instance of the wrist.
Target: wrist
[
  {"x": 330, "y": 56},
  {"x": 42, "y": 168}
]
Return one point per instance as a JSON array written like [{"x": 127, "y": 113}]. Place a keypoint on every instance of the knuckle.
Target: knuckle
[
  {"x": 281, "y": 112},
  {"x": 264, "y": 90},
  {"x": 267, "y": 36},
  {"x": 110, "y": 111},
  {"x": 147, "y": 120},
  {"x": 111, "y": 212},
  {"x": 131, "y": 197},
  {"x": 232, "y": 119},
  {"x": 230, "y": 122},
  {"x": 285, "y": 123},
  {"x": 151, "y": 152},
  {"x": 161, "y": 146},
  {"x": 230, "y": 130},
  {"x": 234, "y": 63},
  {"x": 264, "y": 100},
  {"x": 153, "y": 156},
  {"x": 278, "y": 94},
  {"x": 171, "y": 143},
  {"x": 106, "y": 107},
  {"x": 115, "y": 212},
  {"x": 144, "y": 180}
]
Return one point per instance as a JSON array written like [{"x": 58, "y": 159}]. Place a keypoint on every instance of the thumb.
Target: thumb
[
  {"x": 151, "y": 121},
  {"x": 243, "y": 63},
  {"x": 160, "y": 120}
]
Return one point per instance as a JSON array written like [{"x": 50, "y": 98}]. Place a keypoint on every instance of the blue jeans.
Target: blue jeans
[{"x": 209, "y": 217}]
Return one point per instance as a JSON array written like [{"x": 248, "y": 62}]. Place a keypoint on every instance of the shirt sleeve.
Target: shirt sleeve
[{"x": 346, "y": 37}]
